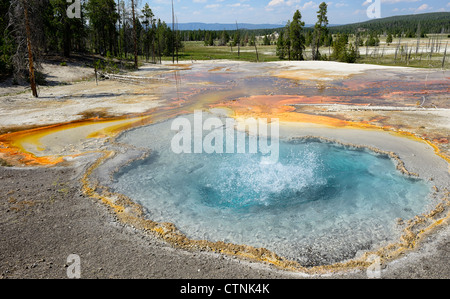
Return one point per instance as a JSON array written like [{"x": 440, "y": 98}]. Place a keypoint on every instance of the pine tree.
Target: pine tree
[
  {"x": 6, "y": 42},
  {"x": 210, "y": 40},
  {"x": 320, "y": 30},
  {"x": 389, "y": 39},
  {"x": 296, "y": 36},
  {"x": 147, "y": 21},
  {"x": 280, "y": 46},
  {"x": 287, "y": 39},
  {"x": 224, "y": 38},
  {"x": 103, "y": 18},
  {"x": 63, "y": 29},
  {"x": 134, "y": 35}
]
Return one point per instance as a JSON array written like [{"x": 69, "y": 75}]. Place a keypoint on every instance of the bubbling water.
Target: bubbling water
[
  {"x": 321, "y": 203},
  {"x": 244, "y": 181}
]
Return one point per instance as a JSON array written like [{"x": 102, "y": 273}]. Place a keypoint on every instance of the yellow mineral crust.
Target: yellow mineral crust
[{"x": 34, "y": 146}]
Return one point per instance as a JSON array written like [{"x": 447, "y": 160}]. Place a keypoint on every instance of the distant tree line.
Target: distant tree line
[
  {"x": 291, "y": 40},
  {"x": 244, "y": 37},
  {"x": 401, "y": 26},
  {"x": 296, "y": 34}
]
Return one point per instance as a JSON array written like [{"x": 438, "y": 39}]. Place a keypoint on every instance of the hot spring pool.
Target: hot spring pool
[{"x": 319, "y": 204}]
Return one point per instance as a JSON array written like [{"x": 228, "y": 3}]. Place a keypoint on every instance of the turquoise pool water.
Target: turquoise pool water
[{"x": 320, "y": 203}]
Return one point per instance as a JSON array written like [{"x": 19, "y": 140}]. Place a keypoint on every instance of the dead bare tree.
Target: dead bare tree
[
  {"x": 418, "y": 35},
  {"x": 445, "y": 53},
  {"x": 239, "y": 39},
  {"x": 397, "y": 49},
  {"x": 26, "y": 26},
  {"x": 177, "y": 38},
  {"x": 173, "y": 32},
  {"x": 118, "y": 24},
  {"x": 30, "y": 52},
  {"x": 134, "y": 35},
  {"x": 409, "y": 55},
  {"x": 256, "y": 50}
]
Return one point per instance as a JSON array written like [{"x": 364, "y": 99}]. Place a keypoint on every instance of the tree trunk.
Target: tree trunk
[
  {"x": 443, "y": 58},
  {"x": 119, "y": 43},
  {"x": 153, "y": 48},
  {"x": 30, "y": 53},
  {"x": 173, "y": 34},
  {"x": 239, "y": 40},
  {"x": 256, "y": 49},
  {"x": 67, "y": 39},
  {"x": 134, "y": 36}
]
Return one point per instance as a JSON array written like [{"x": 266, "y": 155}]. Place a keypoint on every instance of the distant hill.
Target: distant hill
[
  {"x": 219, "y": 27},
  {"x": 438, "y": 22},
  {"x": 231, "y": 27},
  {"x": 407, "y": 24}
]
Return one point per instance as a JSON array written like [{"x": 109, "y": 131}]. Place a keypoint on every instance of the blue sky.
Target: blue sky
[{"x": 279, "y": 11}]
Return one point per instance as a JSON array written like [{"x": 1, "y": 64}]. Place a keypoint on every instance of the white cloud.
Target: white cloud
[
  {"x": 209, "y": 6},
  {"x": 309, "y": 4},
  {"x": 397, "y": 1},
  {"x": 359, "y": 12},
  {"x": 275, "y": 3},
  {"x": 340, "y": 4},
  {"x": 278, "y": 3},
  {"x": 238, "y": 5},
  {"x": 423, "y": 7}
]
